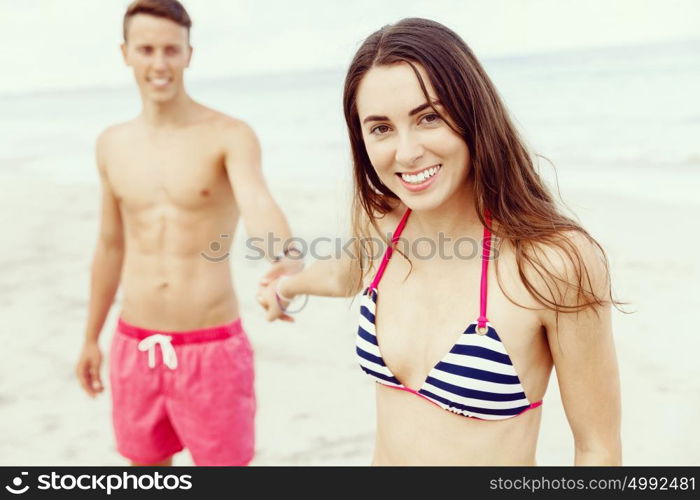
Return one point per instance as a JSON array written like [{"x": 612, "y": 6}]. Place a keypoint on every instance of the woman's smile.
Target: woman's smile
[{"x": 420, "y": 180}]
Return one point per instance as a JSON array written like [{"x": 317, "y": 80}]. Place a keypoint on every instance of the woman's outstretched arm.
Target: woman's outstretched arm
[{"x": 335, "y": 277}]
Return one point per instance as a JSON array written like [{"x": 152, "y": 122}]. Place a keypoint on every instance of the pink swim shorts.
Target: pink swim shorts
[{"x": 172, "y": 390}]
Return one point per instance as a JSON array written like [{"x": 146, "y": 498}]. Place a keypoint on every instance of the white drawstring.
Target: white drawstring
[{"x": 166, "y": 348}]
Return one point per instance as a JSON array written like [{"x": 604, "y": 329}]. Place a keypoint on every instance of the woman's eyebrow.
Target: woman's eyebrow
[
  {"x": 377, "y": 118},
  {"x": 423, "y": 106}
]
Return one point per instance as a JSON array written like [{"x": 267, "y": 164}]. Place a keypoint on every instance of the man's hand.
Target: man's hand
[{"x": 88, "y": 369}]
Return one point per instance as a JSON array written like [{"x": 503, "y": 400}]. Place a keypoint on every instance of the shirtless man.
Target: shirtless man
[{"x": 175, "y": 181}]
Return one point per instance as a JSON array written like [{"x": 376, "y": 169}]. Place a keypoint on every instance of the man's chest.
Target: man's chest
[{"x": 182, "y": 173}]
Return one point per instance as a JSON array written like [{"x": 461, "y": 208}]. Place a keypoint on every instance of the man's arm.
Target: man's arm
[
  {"x": 584, "y": 356},
  {"x": 264, "y": 221},
  {"x": 105, "y": 276}
]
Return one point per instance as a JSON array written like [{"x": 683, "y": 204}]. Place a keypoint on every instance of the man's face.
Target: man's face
[{"x": 158, "y": 50}]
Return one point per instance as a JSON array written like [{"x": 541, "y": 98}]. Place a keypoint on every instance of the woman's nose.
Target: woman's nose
[{"x": 408, "y": 150}]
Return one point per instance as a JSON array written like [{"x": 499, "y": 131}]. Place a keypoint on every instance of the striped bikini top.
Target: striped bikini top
[{"x": 476, "y": 378}]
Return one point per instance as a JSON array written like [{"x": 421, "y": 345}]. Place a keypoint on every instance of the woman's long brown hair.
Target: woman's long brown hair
[{"x": 505, "y": 182}]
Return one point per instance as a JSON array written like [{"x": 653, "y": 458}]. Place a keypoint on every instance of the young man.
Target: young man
[{"x": 175, "y": 181}]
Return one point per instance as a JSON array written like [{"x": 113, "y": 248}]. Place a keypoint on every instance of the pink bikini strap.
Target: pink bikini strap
[
  {"x": 389, "y": 250},
  {"x": 485, "y": 254}
]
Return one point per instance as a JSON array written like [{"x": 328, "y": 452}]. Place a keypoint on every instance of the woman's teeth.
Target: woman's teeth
[{"x": 421, "y": 177}]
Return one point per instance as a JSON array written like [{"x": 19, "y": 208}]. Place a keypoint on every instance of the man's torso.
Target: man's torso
[{"x": 179, "y": 216}]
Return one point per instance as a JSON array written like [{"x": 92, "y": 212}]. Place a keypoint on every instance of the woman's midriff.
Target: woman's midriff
[{"x": 413, "y": 431}]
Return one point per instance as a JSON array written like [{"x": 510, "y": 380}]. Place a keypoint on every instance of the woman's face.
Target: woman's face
[{"x": 414, "y": 152}]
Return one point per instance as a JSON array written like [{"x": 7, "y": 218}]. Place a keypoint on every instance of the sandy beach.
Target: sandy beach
[{"x": 323, "y": 413}]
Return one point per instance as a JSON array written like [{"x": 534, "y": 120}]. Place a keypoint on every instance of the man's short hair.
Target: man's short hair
[{"x": 167, "y": 9}]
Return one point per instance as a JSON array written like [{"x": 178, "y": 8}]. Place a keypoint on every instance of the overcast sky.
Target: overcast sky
[{"x": 73, "y": 43}]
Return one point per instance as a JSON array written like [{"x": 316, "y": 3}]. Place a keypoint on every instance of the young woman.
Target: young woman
[{"x": 436, "y": 159}]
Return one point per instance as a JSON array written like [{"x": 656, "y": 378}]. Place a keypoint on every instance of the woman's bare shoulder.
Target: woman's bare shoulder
[
  {"x": 386, "y": 223},
  {"x": 555, "y": 270}
]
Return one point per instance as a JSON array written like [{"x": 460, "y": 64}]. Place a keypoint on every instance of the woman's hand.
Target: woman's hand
[
  {"x": 274, "y": 305},
  {"x": 268, "y": 294}
]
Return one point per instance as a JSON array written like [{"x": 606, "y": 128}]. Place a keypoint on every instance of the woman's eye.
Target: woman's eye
[
  {"x": 431, "y": 118},
  {"x": 379, "y": 130}
]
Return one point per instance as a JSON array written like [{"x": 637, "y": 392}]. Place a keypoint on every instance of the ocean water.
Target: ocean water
[{"x": 606, "y": 116}]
